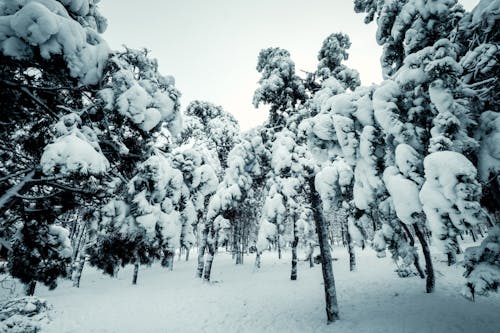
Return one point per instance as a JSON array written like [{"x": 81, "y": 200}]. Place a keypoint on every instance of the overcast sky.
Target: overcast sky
[{"x": 211, "y": 46}]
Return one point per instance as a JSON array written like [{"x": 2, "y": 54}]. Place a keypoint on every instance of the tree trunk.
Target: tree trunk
[
  {"x": 310, "y": 256},
  {"x": 209, "y": 262},
  {"x": 350, "y": 247},
  {"x": 201, "y": 252},
  {"x": 279, "y": 247},
  {"x": 212, "y": 246},
  {"x": 136, "y": 272},
  {"x": 257, "y": 260},
  {"x": 430, "y": 281},
  {"x": 293, "y": 275},
  {"x": 187, "y": 253},
  {"x": 332, "y": 310},
  {"x": 238, "y": 246},
  {"x": 77, "y": 273},
  {"x": 416, "y": 262},
  {"x": 30, "y": 288},
  {"x": 169, "y": 259}
]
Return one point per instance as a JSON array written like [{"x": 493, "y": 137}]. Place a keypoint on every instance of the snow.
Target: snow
[
  {"x": 385, "y": 109},
  {"x": 371, "y": 299},
  {"x": 450, "y": 193},
  {"x": 489, "y": 146},
  {"x": 404, "y": 194},
  {"x": 482, "y": 265},
  {"x": 48, "y": 26},
  {"x": 72, "y": 154},
  {"x": 59, "y": 238}
]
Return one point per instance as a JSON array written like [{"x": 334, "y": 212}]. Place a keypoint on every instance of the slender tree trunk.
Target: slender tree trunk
[
  {"x": 78, "y": 271},
  {"x": 257, "y": 260},
  {"x": 430, "y": 281},
  {"x": 310, "y": 256},
  {"x": 293, "y": 275},
  {"x": 332, "y": 309},
  {"x": 30, "y": 288},
  {"x": 201, "y": 252},
  {"x": 136, "y": 272},
  {"x": 473, "y": 235},
  {"x": 169, "y": 256},
  {"x": 238, "y": 246},
  {"x": 78, "y": 255},
  {"x": 187, "y": 253},
  {"x": 209, "y": 262},
  {"x": 416, "y": 262},
  {"x": 350, "y": 247},
  {"x": 279, "y": 247}
]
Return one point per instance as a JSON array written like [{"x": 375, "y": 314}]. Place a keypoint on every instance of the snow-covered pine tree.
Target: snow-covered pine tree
[
  {"x": 482, "y": 266},
  {"x": 280, "y": 86},
  {"x": 449, "y": 198},
  {"x": 76, "y": 135},
  {"x": 330, "y": 57},
  {"x": 247, "y": 166},
  {"x": 199, "y": 182},
  {"x": 407, "y": 26},
  {"x": 145, "y": 224},
  {"x": 479, "y": 40},
  {"x": 288, "y": 197},
  {"x": 51, "y": 52},
  {"x": 221, "y": 129}
]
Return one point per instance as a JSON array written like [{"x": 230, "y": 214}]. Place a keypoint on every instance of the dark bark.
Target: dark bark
[
  {"x": 257, "y": 260},
  {"x": 293, "y": 274},
  {"x": 430, "y": 281},
  {"x": 187, "y": 253},
  {"x": 136, "y": 272},
  {"x": 350, "y": 247},
  {"x": 473, "y": 235},
  {"x": 416, "y": 262},
  {"x": 279, "y": 247},
  {"x": 332, "y": 310},
  {"x": 169, "y": 260},
  {"x": 30, "y": 288}
]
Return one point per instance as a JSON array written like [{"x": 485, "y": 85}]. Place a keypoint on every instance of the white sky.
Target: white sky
[{"x": 211, "y": 46}]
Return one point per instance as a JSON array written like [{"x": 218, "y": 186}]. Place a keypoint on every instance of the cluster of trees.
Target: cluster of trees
[{"x": 99, "y": 165}]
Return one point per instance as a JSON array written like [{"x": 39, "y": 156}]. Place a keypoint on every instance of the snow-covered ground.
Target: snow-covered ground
[{"x": 372, "y": 299}]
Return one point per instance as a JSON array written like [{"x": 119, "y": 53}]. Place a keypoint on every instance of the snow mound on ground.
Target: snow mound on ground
[{"x": 23, "y": 315}]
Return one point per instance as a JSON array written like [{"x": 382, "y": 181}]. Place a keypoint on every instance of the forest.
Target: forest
[{"x": 102, "y": 169}]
